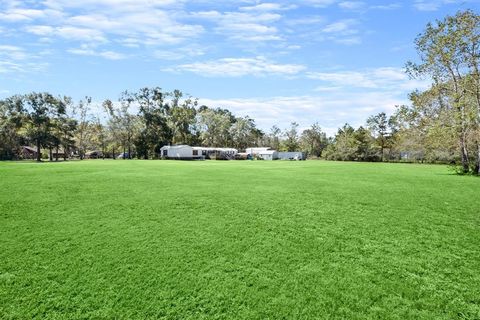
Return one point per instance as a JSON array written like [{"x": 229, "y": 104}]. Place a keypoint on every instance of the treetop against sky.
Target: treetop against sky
[{"x": 281, "y": 61}]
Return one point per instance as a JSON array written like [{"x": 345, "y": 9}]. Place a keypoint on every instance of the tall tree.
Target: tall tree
[
  {"x": 11, "y": 122},
  {"x": 215, "y": 127},
  {"x": 83, "y": 114},
  {"x": 243, "y": 133},
  {"x": 365, "y": 144},
  {"x": 448, "y": 51},
  {"x": 127, "y": 123},
  {"x": 182, "y": 119},
  {"x": 314, "y": 140},
  {"x": 344, "y": 145},
  {"x": 154, "y": 114},
  {"x": 274, "y": 137},
  {"x": 378, "y": 124},
  {"x": 38, "y": 109},
  {"x": 291, "y": 142}
]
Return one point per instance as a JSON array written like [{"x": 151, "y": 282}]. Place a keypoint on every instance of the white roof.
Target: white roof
[
  {"x": 267, "y": 152},
  {"x": 200, "y": 148},
  {"x": 214, "y": 149},
  {"x": 176, "y": 146}
]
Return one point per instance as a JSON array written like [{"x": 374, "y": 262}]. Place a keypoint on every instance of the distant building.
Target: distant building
[
  {"x": 185, "y": 152},
  {"x": 266, "y": 153},
  {"x": 255, "y": 151},
  {"x": 29, "y": 153},
  {"x": 295, "y": 155},
  {"x": 180, "y": 152},
  {"x": 218, "y": 153}
]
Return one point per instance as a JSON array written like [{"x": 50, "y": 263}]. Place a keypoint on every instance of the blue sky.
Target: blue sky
[{"x": 276, "y": 61}]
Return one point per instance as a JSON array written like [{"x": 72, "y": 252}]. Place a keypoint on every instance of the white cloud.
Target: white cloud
[
  {"x": 319, "y": 3},
  {"x": 352, "y": 5},
  {"x": 14, "y": 59},
  {"x": 149, "y": 22},
  {"x": 341, "y": 31},
  {"x": 180, "y": 53},
  {"x": 18, "y": 14},
  {"x": 434, "y": 5},
  {"x": 251, "y": 26},
  {"x": 12, "y": 52},
  {"x": 386, "y": 78},
  {"x": 331, "y": 109},
  {"x": 360, "y": 5},
  {"x": 390, "y": 6},
  {"x": 117, "y": 5},
  {"x": 107, "y": 54},
  {"x": 268, "y": 6},
  {"x": 237, "y": 67},
  {"x": 342, "y": 27}
]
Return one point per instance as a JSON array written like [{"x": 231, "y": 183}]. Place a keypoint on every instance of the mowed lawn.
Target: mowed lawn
[{"x": 238, "y": 240}]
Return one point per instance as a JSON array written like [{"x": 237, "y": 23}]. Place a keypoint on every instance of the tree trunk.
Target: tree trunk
[
  {"x": 464, "y": 151},
  {"x": 56, "y": 155},
  {"x": 123, "y": 156},
  {"x": 50, "y": 154},
  {"x": 65, "y": 150},
  {"x": 477, "y": 165},
  {"x": 39, "y": 155},
  {"x": 113, "y": 153}
]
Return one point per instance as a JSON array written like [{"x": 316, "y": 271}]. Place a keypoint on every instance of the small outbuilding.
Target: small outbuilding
[
  {"x": 185, "y": 152},
  {"x": 218, "y": 153},
  {"x": 256, "y": 150},
  {"x": 29, "y": 152},
  {"x": 296, "y": 155},
  {"x": 181, "y": 152},
  {"x": 268, "y": 155}
]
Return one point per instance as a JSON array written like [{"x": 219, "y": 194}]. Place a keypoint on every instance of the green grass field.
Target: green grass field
[{"x": 238, "y": 240}]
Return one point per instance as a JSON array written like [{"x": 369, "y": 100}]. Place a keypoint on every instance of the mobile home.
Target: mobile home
[
  {"x": 181, "y": 152},
  {"x": 296, "y": 155},
  {"x": 184, "y": 152}
]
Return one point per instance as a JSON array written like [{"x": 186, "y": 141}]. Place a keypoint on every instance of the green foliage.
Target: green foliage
[
  {"x": 314, "y": 140},
  {"x": 448, "y": 51},
  {"x": 292, "y": 140},
  {"x": 237, "y": 240}
]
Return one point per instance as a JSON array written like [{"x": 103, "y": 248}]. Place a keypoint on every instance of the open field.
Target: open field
[{"x": 240, "y": 239}]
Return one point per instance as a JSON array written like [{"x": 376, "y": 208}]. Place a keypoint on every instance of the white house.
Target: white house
[
  {"x": 218, "y": 153},
  {"x": 256, "y": 151},
  {"x": 184, "y": 152},
  {"x": 181, "y": 152},
  {"x": 296, "y": 155},
  {"x": 268, "y": 154}
]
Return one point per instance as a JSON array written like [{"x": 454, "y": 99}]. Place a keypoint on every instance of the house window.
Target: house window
[
  {"x": 204, "y": 152},
  {"x": 195, "y": 152},
  {"x": 165, "y": 153}
]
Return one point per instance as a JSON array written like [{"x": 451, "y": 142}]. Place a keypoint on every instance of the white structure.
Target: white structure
[
  {"x": 291, "y": 155},
  {"x": 218, "y": 153},
  {"x": 256, "y": 151},
  {"x": 181, "y": 152},
  {"x": 268, "y": 155},
  {"x": 184, "y": 152}
]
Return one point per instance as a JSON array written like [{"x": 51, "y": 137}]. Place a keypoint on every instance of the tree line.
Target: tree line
[
  {"x": 137, "y": 125},
  {"x": 441, "y": 124}
]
